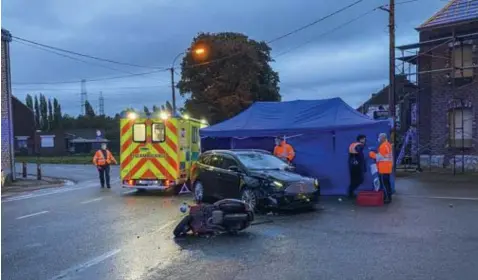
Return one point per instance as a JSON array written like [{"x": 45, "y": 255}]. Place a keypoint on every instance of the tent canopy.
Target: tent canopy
[{"x": 276, "y": 118}]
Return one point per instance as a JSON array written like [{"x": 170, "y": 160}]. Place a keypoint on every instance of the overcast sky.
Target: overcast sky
[{"x": 350, "y": 63}]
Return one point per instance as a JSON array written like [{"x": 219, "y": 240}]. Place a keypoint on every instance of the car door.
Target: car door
[
  {"x": 228, "y": 180},
  {"x": 211, "y": 186},
  {"x": 202, "y": 170}
]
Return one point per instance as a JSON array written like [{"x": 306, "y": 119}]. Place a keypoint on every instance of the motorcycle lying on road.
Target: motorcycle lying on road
[{"x": 227, "y": 215}]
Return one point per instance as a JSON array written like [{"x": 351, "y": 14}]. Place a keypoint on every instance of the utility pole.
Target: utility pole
[
  {"x": 391, "y": 87},
  {"x": 173, "y": 92}
]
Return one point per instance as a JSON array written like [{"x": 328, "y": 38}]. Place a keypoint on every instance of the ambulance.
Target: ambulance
[{"x": 157, "y": 150}]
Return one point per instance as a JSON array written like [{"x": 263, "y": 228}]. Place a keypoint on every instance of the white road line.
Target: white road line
[
  {"x": 79, "y": 268},
  {"x": 443, "y": 197},
  {"x": 92, "y": 200},
  {"x": 31, "y": 215},
  {"x": 129, "y": 192},
  {"x": 163, "y": 227},
  {"x": 33, "y": 195}
]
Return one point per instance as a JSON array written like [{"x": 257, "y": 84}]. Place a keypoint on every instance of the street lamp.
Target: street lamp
[{"x": 200, "y": 51}]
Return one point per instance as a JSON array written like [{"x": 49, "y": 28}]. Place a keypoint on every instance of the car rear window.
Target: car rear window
[
  {"x": 216, "y": 161},
  {"x": 205, "y": 159}
]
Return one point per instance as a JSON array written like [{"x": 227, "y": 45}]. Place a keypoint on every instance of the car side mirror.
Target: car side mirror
[{"x": 234, "y": 168}]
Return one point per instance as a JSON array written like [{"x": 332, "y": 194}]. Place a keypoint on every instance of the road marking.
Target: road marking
[
  {"x": 31, "y": 215},
  {"x": 129, "y": 192},
  {"x": 163, "y": 227},
  {"x": 33, "y": 195},
  {"x": 79, "y": 268},
  {"x": 443, "y": 197},
  {"x": 92, "y": 200}
]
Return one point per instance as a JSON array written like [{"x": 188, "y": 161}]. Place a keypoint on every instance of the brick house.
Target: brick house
[
  {"x": 8, "y": 166},
  {"x": 66, "y": 142},
  {"x": 448, "y": 99},
  {"x": 404, "y": 91},
  {"x": 23, "y": 128}
]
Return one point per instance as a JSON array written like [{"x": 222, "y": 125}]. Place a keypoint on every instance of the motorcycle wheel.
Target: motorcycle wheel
[{"x": 183, "y": 227}]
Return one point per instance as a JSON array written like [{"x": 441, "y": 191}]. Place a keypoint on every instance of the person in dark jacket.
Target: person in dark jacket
[{"x": 357, "y": 164}]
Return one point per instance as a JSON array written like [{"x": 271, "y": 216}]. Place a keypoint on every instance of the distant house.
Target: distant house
[
  {"x": 447, "y": 75},
  {"x": 23, "y": 128},
  {"x": 404, "y": 91},
  {"x": 67, "y": 142},
  {"x": 8, "y": 166}
]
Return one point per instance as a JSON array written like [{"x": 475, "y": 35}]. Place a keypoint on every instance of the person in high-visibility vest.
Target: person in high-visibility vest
[
  {"x": 283, "y": 150},
  {"x": 357, "y": 164},
  {"x": 384, "y": 159},
  {"x": 102, "y": 159}
]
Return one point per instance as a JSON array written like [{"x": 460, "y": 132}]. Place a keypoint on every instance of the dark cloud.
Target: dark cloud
[{"x": 350, "y": 62}]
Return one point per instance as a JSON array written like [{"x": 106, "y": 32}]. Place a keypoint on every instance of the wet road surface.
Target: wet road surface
[{"x": 84, "y": 232}]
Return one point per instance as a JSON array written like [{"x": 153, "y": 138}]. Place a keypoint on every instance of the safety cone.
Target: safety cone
[{"x": 184, "y": 189}]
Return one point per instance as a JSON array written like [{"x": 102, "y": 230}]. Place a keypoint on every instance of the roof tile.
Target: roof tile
[{"x": 455, "y": 11}]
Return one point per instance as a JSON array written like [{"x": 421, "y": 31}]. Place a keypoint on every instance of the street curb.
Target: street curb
[
  {"x": 13, "y": 191},
  {"x": 49, "y": 177}
]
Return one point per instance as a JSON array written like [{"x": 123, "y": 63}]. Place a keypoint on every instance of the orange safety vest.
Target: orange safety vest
[
  {"x": 384, "y": 158},
  {"x": 99, "y": 159},
  {"x": 353, "y": 146},
  {"x": 284, "y": 150}
]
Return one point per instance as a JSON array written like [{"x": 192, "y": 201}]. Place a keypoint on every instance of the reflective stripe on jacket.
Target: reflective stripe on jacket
[
  {"x": 352, "y": 147},
  {"x": 384, "y": 158},
  {"x": 284, "y": 150},
  {"x": 99, "y": 159}
]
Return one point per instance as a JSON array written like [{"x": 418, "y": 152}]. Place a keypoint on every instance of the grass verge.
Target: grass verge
[{"x": 57, "y": 160}]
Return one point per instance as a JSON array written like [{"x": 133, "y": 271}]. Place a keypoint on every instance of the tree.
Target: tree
[
  {"x": 50, "y": 114},
  {"x": 43, "y": 112},
  {"x": 29, "y": 102},
  {"x": 240, "y": 75},
  {"x": 89, "y": 112},
  {"x": 146, "y": 110},
  {"x": 57, "y": 115},
  {"x": 37, "y": 114},
  {"x": 155, "y": 109},
  {"x": 168, "y": 107}
]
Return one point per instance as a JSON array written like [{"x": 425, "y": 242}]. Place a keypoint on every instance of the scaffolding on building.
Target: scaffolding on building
[{"x": 413, "y": 151}]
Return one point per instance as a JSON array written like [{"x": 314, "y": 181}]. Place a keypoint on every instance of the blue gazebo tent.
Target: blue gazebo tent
[{"x": 319, "y": 130}]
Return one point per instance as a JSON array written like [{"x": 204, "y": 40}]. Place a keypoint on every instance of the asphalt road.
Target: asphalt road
[{"x": 84, "y": 232}]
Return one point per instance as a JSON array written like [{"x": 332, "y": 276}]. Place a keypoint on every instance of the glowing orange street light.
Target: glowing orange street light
[{"x": 199, "y": 51}]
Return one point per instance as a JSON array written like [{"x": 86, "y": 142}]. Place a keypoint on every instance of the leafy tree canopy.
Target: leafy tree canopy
[{"x": 238, "y": 74}]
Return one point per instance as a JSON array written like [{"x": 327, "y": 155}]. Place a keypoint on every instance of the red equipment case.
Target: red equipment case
[{"x": 370, "y": 198}]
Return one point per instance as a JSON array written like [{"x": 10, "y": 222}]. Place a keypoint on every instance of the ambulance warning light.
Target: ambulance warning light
[
  {"x": 132, "y": 115},
  {"x": 163, "y": 115}
]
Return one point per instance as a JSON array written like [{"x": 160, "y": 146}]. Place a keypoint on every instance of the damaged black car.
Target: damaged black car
[{"x": 255, "y": 176}]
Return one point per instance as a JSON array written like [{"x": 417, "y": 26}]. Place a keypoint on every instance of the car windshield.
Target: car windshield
[{"x": 261, "y": 161}]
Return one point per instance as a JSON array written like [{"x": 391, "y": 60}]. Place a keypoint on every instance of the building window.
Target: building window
[
  {"x": 22, "y": 142},
  {"x": 158, "y": 132},
  {"x": 47, "y": 141},
  {"x": 461, "y": 127},
  {"x": 139, "y": 132},
  {"x": 463, "y": 59}
]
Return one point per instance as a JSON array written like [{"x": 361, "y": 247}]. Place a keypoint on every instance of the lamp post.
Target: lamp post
[{"x": 198, "y": 51}]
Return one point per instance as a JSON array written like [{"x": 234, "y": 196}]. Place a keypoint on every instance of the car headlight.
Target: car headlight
[
  {"x": 316, "y": 183},
  {"x": 277, "y": 184}
]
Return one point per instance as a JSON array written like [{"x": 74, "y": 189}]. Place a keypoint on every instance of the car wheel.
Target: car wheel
[
  {"x": 249, "y": 196},
  {"x": 198, "y": 192}
]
